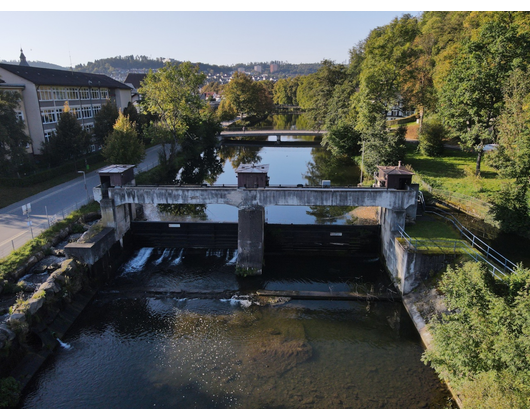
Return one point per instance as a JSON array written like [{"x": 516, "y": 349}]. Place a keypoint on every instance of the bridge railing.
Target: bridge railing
[
  {"x": 292, "y": 186},
  {"x": 269, "y": 128}
]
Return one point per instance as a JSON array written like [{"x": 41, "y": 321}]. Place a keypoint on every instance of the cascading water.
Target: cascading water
[
  {"x": 178, "y": 260},
  {"x": 139, "y": 261},
  {"x": 64, "y": 345},
  {"x": 233, "y": 260},
  {"x": 168, "y": 253}
]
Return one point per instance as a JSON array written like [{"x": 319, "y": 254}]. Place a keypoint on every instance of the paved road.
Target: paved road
[{"x": 14, "y": 229}]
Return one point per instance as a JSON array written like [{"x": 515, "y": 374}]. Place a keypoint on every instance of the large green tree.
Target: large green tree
[
  {"x": 247, "y": 97},
  {"x": 481, "y": 345},
  {"x": 185, "y": 121},
  {"x": 388, "y": 52},
  {"x": 316, "y": 91},
  {"x": 471, "y": 98},
  {"x": 69, "y": 142},
  {"x": 13, "y": 139}
]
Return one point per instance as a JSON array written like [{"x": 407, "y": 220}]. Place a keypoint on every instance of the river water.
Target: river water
[{"x": 139, "y": 345}]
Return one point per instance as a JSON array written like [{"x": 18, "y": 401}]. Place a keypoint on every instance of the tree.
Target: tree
[
  {"x": 123, "y": 146},
  {"x": 472, "y": 98},
  {"x": 317, "y": 90},
  {"x": 173, "y": 94},
  {"x": 382, "y": 147},
  {"x": 69, "y": 142},
  {"x": 512, "y": 156},
  {"x": 13, "y": 139},
  {"x": 387, "y": 52},
  {"x": 285, "y": 90},
  {"x": 431, "y": 137},
  {"x": 481, "y": 346},
  {"x": 248, "y": 97},
  {"x": 104, "y": 122}
]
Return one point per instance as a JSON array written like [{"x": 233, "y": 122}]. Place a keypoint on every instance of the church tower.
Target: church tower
[{"x": 23, "y": 61}]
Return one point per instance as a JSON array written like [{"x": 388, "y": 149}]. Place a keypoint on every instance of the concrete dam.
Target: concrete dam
[{"x": 119, "y": 196}]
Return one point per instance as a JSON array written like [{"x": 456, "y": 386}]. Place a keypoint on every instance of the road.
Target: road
[{"x": 54, "y": 203}]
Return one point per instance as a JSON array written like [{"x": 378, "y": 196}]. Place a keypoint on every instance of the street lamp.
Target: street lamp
[{"x": 86, "y": 189}]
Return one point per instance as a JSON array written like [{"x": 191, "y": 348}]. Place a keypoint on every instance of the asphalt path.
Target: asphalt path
[{"x": 54, "y": 203}]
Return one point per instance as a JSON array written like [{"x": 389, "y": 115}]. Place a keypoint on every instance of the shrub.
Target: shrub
[
  {"x": 431, "y": 137},
  {"x": 9, "y": 392}
]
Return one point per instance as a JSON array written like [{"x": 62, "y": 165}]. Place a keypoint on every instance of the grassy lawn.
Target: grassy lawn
[{"x": 455, "y": 172}]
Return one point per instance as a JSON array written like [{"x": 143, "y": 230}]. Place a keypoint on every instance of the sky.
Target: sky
[{"x": 290, "y": 31}]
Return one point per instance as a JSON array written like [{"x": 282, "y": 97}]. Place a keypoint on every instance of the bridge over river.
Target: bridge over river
[{"x": 265, "y": 133}]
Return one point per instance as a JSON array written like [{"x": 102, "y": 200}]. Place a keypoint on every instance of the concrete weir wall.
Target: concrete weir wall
[
  {"x": 406, "y": 267},
  {"x": 397, "y": 205}
]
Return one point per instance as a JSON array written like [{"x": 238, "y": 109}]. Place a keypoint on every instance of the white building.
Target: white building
[{"x": 45, "y": 91}]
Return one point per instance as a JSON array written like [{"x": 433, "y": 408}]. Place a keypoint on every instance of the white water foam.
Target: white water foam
[
  {"x": 179, "y": 258},
  {"x": 64, "y": 345},
  {"x": 233, "y": 260},
  {"x": 168, "y": 253},
  {"x": 139, "y": 261},
  {"x": 243, "y": 301}
]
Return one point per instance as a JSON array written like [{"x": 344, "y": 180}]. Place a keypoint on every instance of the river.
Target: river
[{"x": 135, "y": 346}]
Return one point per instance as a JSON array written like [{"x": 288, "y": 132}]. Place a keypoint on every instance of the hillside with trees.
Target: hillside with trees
[{"x": 119, "y": 66}]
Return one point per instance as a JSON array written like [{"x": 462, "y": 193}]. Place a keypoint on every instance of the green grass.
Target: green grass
[
  {"x": 455, "y": 172},
  {"x": 427, "y": 227}
]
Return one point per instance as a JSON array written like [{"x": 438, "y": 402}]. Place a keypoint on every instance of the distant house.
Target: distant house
[
  {"x": 44, "y": 93},
  {"x": 134, "y": 80}
]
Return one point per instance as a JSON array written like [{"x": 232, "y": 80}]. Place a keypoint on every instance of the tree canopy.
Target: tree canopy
[
  {"x": 13, "y": 139},
  {"x": 123, "y": 146}
]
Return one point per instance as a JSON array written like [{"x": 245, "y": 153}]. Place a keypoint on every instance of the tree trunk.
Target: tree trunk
[{"x": 479, "y": 159}]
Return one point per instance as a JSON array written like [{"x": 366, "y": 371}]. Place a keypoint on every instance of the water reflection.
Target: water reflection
[{"x": 133, "y": 351}]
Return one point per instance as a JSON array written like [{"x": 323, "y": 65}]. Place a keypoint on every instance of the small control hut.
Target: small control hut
[
  {"x": 252, "y": 175},
  {"x": 115, "y": 176},
  {"x": 395, "y": 177}
]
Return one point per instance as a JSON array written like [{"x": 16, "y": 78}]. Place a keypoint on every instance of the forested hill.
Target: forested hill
[{"x": 118, "y": 67}]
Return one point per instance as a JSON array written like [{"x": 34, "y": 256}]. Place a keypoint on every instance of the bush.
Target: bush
[
  {"x": 431, "y": 137},
  {"x": 9, "y": 392}
]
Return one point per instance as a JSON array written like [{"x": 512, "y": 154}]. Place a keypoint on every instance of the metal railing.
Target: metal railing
[
  {"x": 477, "y": 249},
  {"x": 17, "y": 241}
]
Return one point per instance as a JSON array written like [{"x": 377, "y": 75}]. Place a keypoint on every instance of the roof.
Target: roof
[
  {"x": 53, "y": 77},
  {"x": 115, "y": 169},
  {"x": 135, "y": 79},
  {"x": 245, "y": 168},
  {"x": 395, "y": 170}
]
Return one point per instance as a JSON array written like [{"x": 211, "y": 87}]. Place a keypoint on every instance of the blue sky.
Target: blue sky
[{"x": 222, "y": 37}]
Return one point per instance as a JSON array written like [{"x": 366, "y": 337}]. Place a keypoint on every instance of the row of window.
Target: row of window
[
  {"x": 53, "y": 115},
  {"x": 48, "y": 93},
  {"x": 48, "y": 133}
]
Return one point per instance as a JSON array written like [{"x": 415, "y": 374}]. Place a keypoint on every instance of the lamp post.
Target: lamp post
[{"x": 86, "y": 189}]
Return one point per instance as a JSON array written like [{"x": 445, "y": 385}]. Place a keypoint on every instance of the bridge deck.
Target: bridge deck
[{"x": 261, "y": 133}]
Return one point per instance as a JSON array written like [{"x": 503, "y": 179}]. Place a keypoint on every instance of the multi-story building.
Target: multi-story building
[
  {"x": 274, "y": 67},
  {"x": 45, "y": 92}
]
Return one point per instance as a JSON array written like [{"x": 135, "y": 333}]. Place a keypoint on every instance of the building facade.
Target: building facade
[{"x": 45, "y": 92}]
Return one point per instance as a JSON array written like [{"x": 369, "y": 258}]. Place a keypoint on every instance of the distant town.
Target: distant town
[{"x": 119, "y": 67}]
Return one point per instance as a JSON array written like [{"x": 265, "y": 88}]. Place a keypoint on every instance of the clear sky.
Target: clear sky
[{"x": 222, "y": 37}]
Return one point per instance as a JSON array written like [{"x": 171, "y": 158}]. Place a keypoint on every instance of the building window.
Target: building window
[
  {"x": 45, "y": 93},
  {"x": 59, "y": 94},
  {"x": 104, "y": 93},
  {"x": 48, "y": 116},
  {"x": 86, "y": 112},
  {"x": 88, "y": 127},
  {"x": 76, "y": 110},
  {"x": 48, "y": 134},
  {"x": 97, "y": 108},
  {"x": 72, "y": 93},
  {"x": 85, "y": 93},
  {"x": 94, "y": 93},
  {"x": 20, "y": 116}
]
